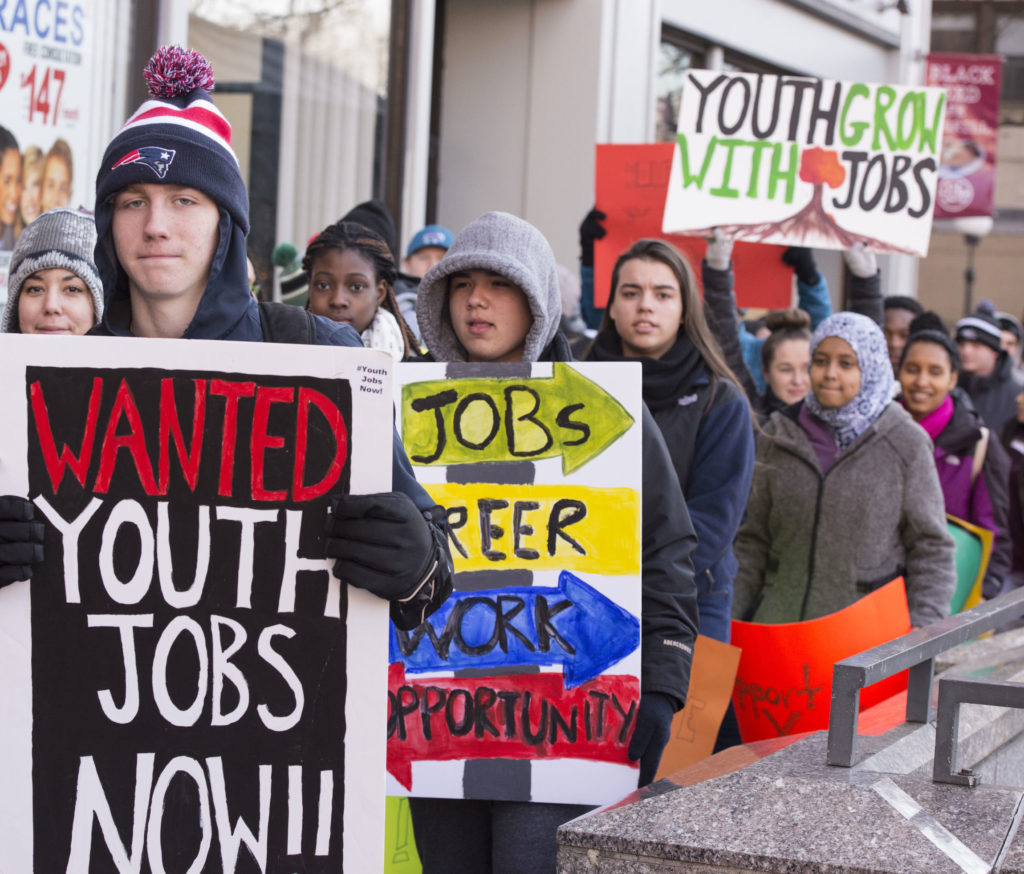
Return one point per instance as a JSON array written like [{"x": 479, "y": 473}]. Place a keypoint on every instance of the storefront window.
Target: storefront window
[
  {"x": 673, "y": 62},
  {"x": 304, "y": 84}
]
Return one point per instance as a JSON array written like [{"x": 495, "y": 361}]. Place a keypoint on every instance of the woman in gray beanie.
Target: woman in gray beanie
[{"x": 53, "y": 286}]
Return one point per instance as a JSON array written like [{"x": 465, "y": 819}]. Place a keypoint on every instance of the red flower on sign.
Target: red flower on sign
[{"x": 821, "y": 166}]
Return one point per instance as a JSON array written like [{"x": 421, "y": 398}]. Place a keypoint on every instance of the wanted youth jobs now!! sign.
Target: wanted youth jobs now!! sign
[{"x": 176, "y": 686}]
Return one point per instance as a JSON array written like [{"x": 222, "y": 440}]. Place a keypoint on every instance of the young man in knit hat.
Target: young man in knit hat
[
  {"x": 172, "y": 213},
  {"x": 986, "y": 373}
]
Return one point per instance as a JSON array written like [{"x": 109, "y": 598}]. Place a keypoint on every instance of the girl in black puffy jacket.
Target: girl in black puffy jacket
[{"x": 655, "y": 315}]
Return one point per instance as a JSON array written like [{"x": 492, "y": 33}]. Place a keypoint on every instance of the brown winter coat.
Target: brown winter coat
[{"x": 813, "y": 544}]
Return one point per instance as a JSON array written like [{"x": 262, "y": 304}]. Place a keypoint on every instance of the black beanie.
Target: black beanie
[
  {"x": 980, "y": 328},
  {"x": 373, "y": 214}
]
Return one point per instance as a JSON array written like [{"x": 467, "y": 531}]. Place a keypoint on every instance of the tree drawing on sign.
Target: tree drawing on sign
[{"x": 812, "y": 225}]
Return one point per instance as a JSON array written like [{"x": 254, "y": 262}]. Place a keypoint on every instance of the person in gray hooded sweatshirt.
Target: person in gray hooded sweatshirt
[{"x": 494, "y": 297}]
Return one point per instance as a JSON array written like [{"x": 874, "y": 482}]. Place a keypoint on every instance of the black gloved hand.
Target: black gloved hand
[
  {"x": 801, "y": 260},
  {"x": 652, "y": 731},
  {"x": 21, "y": 539},
  {"x": 591, "y": 229},
  {"x": 381, "y": 542}
]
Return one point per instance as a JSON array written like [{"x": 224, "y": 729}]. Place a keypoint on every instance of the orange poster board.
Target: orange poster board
[
  {"x": 631, "y": 184},
  {"x": 695, "y": 727},
  {"x": 784, "y": 680}
]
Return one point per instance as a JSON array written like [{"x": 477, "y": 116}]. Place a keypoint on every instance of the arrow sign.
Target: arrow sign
[
  {"x": 464, "y": 421},
  {"x": 529, "y": 716},
  {"x": 572, "y": 625}
]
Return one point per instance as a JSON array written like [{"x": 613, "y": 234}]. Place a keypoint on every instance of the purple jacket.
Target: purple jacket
[{"x": 955, "y": 430}]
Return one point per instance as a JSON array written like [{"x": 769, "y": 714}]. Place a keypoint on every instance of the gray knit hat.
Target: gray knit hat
[
  {"x": 60, "y": 237},
  {"x": 503, "y": 244}
]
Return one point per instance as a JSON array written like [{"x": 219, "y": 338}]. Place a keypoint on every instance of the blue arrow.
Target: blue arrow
[{"x": 572, "y": 625}]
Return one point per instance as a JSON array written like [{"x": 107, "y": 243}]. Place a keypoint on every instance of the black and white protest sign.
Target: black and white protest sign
[{"x": 192, "y": 707}]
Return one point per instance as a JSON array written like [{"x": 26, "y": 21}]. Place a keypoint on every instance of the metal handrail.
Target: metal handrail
[
  {"x": 954, "y": 691},
  {"x": 916, "y": 651}
]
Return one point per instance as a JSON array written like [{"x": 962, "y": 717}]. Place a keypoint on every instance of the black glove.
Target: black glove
[
  {"x": 652, "y": 731},
  {"x": 381, "y": 542},
  {"x": 801, "y": 260},
  {"x": 21, "y": 539},
  {"x": 591, "y": 229}
]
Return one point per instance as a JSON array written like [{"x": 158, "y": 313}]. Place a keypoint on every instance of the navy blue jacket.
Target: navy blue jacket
[{"x": 228, "y": 311}]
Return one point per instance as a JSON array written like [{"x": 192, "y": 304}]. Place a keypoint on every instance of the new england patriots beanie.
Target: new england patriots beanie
[{"x": 177, "y": 137}]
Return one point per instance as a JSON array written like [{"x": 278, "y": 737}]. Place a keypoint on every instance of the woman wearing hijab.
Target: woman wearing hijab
[{"x": 845, "y": 495}]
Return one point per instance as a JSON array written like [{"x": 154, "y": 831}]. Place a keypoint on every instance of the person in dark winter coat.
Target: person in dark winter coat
[
  {"x": 654, "y": 315},
  {"x": 785, "y": 360},
  {"x": 350, "y": 273},
  {"x": 1013, "y": 440},
  {"x": 374, "y": 215},
  {"x": 171, "y": 256},
  {"x": 900, "y": 311},
  {"x": 845, "y": 495},
  {"x": 973, "y": 468},
  {"x": 494, "y": 296},
  {"x": 987, "y": 371}
]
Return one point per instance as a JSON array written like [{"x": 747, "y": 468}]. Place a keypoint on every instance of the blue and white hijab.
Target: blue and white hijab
[{"x": 851, "y": 420}]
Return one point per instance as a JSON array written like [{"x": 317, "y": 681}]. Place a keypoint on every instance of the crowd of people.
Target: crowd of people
[{"x": 790, "y": 466}]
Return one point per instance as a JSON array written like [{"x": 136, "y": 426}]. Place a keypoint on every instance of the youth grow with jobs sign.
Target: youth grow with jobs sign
[
  {"x": 183, "y": 701},
  {"x": 806, "y": 162}
]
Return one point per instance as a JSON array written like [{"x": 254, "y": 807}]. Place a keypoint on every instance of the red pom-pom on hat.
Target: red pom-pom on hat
[{"x": 174, "y": 72}]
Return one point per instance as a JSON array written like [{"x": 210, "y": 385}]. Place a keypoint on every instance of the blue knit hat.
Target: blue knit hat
[
  {"x": 431, "y": 235},
  {"x": 177, "y": 137}
]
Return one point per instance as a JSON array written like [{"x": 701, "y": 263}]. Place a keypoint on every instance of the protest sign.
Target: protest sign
[
  {"x": 784, "y": 680},
  {"x": 183, "y": 700},
  {"x": 525, "y": 684},
  {"x": 695, "y": 727},
  {"x": 807, "y": 162},
  {"x": 630, "y": 186},
  {"x": 46, "y": 56},
  {"x": 967, "y": 171},
  {"x": 973, "y": 551}
]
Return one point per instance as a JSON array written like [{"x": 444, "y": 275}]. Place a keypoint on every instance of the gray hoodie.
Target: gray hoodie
[{"x": 504, "y": 244}]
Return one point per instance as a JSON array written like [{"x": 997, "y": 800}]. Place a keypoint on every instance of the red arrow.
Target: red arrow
[{"x": 525, "y": 716}]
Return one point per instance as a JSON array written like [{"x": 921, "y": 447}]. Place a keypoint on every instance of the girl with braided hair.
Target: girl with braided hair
[{"x": 351, "y": 274}]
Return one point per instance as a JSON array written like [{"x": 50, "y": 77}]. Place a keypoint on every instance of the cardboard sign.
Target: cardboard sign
[
  {"x": 807, "y": 162},
  {"x": 630, "y": 187},
  {"x": 967, "y": 172},
  {"x": 183, "y": 701},
  {"x": 973, "y": 551},
  {"x": 784, "y": 680},
  {"x": 695, "y": 727},
  {"x": 525, "y": 684}
]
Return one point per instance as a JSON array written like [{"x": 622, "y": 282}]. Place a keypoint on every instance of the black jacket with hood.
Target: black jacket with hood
[
  {"x": 994, "y": 396},
  {"x": 228, "y": 311},
  {"x": 669, "y": 595}
]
